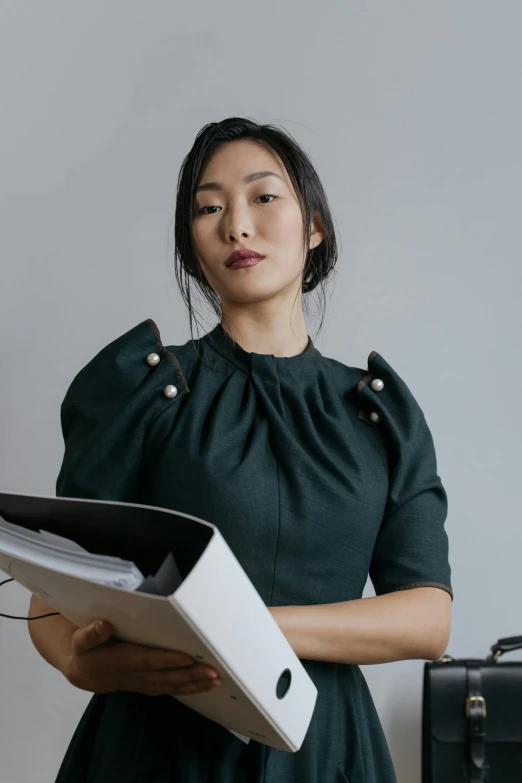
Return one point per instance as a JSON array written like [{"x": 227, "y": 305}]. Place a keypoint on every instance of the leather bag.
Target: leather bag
[{"x": 472, "y": 718}]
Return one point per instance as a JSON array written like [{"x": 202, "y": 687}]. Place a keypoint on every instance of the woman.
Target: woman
[{"x": 316, "y": 473}]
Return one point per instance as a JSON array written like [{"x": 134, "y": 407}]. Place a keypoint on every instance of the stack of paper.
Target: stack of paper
[{"x": 66, "y": 556}]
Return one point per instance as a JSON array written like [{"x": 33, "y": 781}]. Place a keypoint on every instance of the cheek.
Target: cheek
[
  {"x": 289, "y": 223},
  {"x": 201, "y": 234},
  {"x": 284, "y": 235}
]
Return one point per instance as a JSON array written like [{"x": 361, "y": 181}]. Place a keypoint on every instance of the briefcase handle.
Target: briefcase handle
[{"x": 508, "y": 644}]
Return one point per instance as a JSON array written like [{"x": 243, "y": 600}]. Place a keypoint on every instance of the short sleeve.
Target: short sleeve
[
  {"x": 411, "y": 548},
  {"x": 107, "y": 409}
]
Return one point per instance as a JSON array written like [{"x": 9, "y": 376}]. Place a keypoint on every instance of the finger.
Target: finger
[
  {"x": 200, "y": 686},
  {"x": 90, "y": 636},
  {"x": 179, "y": 678},
  {"x": 169, "y": 659},
  {"x": 179, "y": 688},
  {"x": 151, "y": 659}
]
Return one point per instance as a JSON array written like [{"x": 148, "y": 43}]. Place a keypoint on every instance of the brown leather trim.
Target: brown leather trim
[
  {"x": 362, "y": 384},
  {"x": 170, "y": 356},
  {"x": 157, "y": 334},
  {"x": 179, "y": 371},
  {"x": 361, "y": 413},
  {"x": 425, "y": 584},
  {"x": 364, "y": 416}
]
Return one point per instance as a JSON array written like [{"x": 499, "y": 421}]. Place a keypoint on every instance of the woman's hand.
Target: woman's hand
[{"x": 100, "y": 664}]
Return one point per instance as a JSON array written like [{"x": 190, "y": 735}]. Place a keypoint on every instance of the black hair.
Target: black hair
[{"x": 319, "y": 261}]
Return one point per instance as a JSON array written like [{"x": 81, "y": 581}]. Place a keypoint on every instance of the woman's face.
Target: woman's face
[{"x": 239, "y": 214}]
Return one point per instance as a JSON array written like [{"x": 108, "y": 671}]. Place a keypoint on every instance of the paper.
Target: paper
[
  {"x": 246, "y": 740},
  {"x": 54, "y": 552},
  {"x": 52, "y": 538},
  {"x": 166, "y": 580}
]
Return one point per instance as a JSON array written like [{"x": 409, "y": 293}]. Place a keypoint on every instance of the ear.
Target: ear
[{"x": 316, "y": 232}]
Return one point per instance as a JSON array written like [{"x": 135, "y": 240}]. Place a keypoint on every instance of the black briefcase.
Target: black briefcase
[{"x": 472, "y": 718}]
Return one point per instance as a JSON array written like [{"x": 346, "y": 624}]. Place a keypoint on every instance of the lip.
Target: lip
[
  {"x": 242, "y": 258},
  {"x": 242, "y": 262}
]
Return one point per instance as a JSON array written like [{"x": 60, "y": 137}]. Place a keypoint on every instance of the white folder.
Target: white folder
[{"x": 215, "y": 615}]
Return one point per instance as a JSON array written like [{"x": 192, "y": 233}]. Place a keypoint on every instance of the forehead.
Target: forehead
[{"x": 240, "y": 162}]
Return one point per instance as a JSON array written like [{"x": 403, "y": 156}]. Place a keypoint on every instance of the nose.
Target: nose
[
  {"x": 239, "y": 225},
  {"x": 233, "y": 235}
]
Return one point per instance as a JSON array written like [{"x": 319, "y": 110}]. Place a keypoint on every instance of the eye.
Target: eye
[
  {"x": 264, "y": 195},
  {"x": 268, "y": 194}
]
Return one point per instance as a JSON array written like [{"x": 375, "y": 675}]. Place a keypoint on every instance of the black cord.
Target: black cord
[{"x": 14, "y": 617}]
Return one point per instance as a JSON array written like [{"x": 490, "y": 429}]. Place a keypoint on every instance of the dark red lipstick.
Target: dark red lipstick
[{"x": 243, "y": 258}]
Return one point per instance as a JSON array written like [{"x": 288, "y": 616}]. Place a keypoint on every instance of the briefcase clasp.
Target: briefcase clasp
[{"x": 479, "y": 699}]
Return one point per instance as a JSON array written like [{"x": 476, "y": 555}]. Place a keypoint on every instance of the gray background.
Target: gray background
[{"x": 411, "y": 113}]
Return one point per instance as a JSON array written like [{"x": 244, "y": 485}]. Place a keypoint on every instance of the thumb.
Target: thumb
[{"x": 90, "y": 636}]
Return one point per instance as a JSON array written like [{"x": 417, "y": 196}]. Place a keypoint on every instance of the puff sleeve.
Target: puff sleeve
[
  {"x": 411, "y": 548},
  {"x": 106, "y": 412}
]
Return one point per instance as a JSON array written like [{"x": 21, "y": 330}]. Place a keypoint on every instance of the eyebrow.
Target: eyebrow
[{"x": 247, "y": 179}]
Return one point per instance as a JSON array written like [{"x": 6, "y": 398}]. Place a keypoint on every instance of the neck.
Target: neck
[{"x": 258, "y": 333}]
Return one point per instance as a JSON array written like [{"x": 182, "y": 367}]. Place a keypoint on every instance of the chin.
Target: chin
[{"x": 249, "y": 291}]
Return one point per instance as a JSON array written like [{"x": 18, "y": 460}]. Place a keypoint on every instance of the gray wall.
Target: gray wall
[{"x": 411, "y": 112}]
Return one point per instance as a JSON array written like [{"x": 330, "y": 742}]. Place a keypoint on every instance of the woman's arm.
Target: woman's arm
[
  {"x": 51, "y": 635},
  {"x": 402, "y": 625}
]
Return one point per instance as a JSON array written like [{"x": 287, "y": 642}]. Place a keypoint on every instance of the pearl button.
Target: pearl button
[
  {"x": 374, "y": 416},
  {"x": 170, "y": 391},
  {"x": 377, "y": 384},
  {"x": 153, "y": 359}
]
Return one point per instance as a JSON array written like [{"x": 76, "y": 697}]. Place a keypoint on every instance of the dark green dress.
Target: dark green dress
[{"x": 314, "y": 477}]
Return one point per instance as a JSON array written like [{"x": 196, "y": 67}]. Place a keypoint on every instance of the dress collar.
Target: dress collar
[{"x": 221, "y": 342}]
